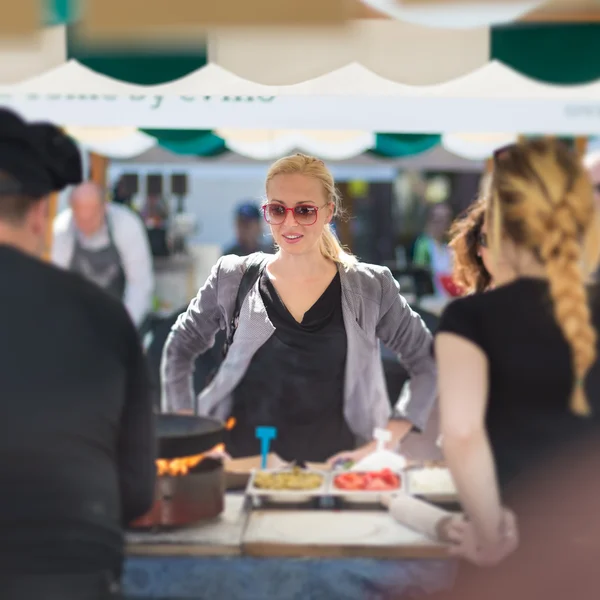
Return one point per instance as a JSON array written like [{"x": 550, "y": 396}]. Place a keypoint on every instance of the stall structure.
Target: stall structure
[
  {"x": 472, "y": 69},
  {"x": 401, "y": 74}
]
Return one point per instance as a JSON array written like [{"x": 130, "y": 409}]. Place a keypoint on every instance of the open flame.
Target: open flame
[{"x": 181, "y": 466}]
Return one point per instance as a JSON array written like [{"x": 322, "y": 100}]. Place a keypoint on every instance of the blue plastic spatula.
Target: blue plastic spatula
[{"x": 265, "y": 435}]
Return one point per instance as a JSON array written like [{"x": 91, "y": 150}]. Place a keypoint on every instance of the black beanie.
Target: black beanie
[{"x": 39, "y": 157}]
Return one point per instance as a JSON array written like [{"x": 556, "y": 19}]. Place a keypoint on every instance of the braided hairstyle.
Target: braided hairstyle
[{"x": 542, "y": 199}]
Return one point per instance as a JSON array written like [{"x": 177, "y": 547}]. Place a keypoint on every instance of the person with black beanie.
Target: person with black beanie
[{"x": 77, "y": 445}]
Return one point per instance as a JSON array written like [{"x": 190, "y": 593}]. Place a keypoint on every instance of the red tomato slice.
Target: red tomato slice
[
  {"x": 349, "y": 481},
  {"x": 382, "y": 480},
  {"x": 391, "y": 479},
  {"x": 377, "y": 485}
]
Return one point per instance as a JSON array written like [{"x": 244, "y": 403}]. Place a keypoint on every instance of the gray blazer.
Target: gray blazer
[{"x": 373, "y": 310}]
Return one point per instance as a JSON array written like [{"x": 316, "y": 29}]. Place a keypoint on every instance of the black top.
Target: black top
[
  {"x": 531, "y": 378},
  {"x": 76, "y": 434},
  {"x": 295, "y": 382}
]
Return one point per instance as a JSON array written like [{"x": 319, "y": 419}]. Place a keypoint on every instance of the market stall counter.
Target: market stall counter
[{"x": 286, "y": 552}]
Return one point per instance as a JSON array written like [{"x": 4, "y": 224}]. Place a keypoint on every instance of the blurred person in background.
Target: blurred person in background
[
  {"x": 76, "y": 436},
  {"x": 469, "y": 245},
  {"x": 121, "y": 195},
  {"x": 306, "y": 355},
  {"x": 431, "y": 247},
  {"x": 249, "y": 231},
  {"x": 519, "y": 375},
  {"x": 106, "y": 243},
  {"x": 155, "y": 215}
]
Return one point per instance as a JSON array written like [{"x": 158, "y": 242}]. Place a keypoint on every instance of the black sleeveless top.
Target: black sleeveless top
[
  {"x": 295, "y": 382},
  {"x": 530, "y": 378}
]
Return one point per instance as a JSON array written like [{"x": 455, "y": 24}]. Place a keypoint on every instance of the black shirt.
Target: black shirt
[
  {"x": 295, "y": 382},
  {"x": 531, "y": 378},
  {"x": 76, "y": 434}
]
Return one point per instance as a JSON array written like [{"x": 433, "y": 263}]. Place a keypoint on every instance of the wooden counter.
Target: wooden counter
[
  {"x": 289, "y": 533},
  {"x": 334, "y": 534}
]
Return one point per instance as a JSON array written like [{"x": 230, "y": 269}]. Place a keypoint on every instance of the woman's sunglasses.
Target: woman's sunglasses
[
  {"x": 304, "y": 214},
  {"x": 482, "y": 240}
]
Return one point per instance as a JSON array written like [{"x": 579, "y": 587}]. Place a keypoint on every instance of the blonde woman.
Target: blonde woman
[
  {"x": 519, "y": 377},
  {"x": 305, "y": 357}
]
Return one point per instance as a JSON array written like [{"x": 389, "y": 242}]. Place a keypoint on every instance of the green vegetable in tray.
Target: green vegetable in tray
[{"x": 295, "y": 479}]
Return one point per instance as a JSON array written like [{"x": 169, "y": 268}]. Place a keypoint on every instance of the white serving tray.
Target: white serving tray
[{"x": 432, "y": 483}]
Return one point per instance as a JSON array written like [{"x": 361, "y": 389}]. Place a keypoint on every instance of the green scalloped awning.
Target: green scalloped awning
[
  {"x": 563, "y": 54},
  {"x": 60, "y": 12},
  {"x": 206, "y": 143},
  {"x": 392, "y": 145},
  {"x": 195, "y": 142},
  {"x": 140, "y": 65}
]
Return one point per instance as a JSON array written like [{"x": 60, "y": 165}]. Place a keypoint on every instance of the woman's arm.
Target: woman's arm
[
  {"x": 404, "y": 332},
  {"x": 463, "y": 388},
  {"x": 193, "y": 333}
]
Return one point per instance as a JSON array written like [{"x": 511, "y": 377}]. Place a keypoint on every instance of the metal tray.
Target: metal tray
[
  {"x": 286, "y": 496},
  {"x": 361, "y": 496},
  {"x": 442, "y": 490}
]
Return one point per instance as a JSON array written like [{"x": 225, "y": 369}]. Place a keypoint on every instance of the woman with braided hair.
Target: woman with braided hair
[{"x": 519, "y": 376}]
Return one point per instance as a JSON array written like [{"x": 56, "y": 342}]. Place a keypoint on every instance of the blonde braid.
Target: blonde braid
[
  {"x": 545, "y": 201},
  {"x": 560, "y": 251}
]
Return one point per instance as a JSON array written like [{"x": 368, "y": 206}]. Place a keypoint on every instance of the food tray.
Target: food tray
[
  {"x": 431, "y": 483},
  {"x": 286, "y": 496},
  {"x": 361, "y": 496}
]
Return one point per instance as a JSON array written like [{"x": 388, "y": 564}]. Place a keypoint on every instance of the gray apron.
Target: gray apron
[{"x": 103, "y": 266}]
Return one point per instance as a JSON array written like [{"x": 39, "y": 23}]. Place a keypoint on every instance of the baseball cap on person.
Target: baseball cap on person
[
  {"x": 248, "y": 211},
  {"x": 38, "y": 157}
]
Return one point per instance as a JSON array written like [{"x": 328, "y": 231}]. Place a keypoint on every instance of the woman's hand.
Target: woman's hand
[
  {"x": 352, "y": 455},
  {"x": 466, "y": 543}
]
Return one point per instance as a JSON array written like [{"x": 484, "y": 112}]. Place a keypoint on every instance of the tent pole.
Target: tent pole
[
  {"x": 98, "y": 169},
  {"x": 52, "y": 208},
  {"x": 581, "y": 144}
]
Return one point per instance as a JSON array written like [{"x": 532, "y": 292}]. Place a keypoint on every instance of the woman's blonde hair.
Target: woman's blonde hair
[
  {"x": 542, "y": 199},
  {"x": 310, "y": 166}
]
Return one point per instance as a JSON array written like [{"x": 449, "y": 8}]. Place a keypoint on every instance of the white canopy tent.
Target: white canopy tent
[{"x": 492, "y": 98}]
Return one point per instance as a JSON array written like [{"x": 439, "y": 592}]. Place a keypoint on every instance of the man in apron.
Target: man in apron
[{"x": 106, "y": 244}]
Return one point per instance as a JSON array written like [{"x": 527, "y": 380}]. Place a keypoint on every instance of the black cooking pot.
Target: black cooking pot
[
  {"x": 198, "y": 495},
  {"x": 183, "y": 435}
]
